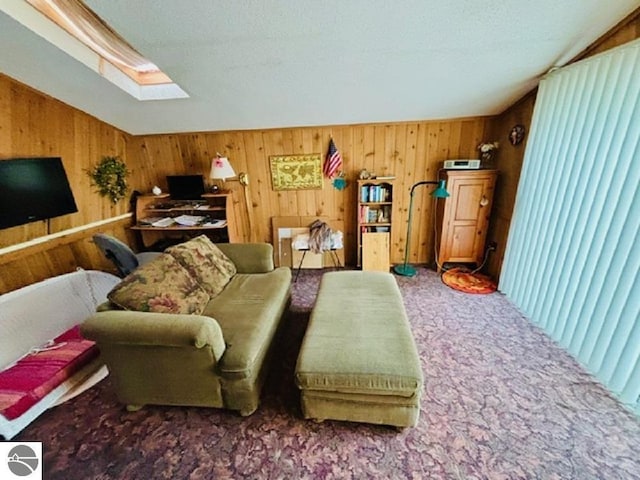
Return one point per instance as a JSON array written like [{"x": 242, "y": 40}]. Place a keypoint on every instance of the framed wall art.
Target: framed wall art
[{"x": 296, "y": 172}]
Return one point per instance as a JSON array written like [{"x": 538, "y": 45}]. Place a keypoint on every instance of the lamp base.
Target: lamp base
[{"x": 405, "y": 270}]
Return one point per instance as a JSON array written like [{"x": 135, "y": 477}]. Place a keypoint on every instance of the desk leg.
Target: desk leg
[
  {"x": 304, "y": 252},
  {"x": 336, "y": 259}
]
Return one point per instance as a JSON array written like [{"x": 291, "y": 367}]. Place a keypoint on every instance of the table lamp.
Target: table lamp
[{"x": 221, "y": 169}]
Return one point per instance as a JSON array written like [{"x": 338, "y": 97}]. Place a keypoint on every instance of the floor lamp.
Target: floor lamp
[{"x": 440, "y": 192}]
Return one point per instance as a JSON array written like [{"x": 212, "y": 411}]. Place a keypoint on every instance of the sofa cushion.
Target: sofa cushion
[
  {"x": 359, "y": 338},
  {"x": 248, "y": 312},
  {"x": 35, "y": 375},
  {"x": 206, "y": 263},
  {"x": 161, "y": 286}
]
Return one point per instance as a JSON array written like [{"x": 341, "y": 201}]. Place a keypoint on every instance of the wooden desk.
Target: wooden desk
[{"x": 212, "y": 205}]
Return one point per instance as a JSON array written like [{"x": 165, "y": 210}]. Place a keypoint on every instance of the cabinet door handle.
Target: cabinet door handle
[{"x": 484, "y": 201}]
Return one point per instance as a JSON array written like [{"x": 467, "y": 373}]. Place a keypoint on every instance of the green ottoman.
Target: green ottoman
[{"x": 358, "y": 360}]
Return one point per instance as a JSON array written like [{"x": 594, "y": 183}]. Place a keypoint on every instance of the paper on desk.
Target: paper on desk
[
  {"x": 149, "y": 220},
  {"x": 215, "y": 223},
  {"x": 163, "y": 222},
  {"x": 189, "y": 220}
]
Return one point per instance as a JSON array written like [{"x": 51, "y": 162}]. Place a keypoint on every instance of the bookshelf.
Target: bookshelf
[{"x": 375, "y": 210}]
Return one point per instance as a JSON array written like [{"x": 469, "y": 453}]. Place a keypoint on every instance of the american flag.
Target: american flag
[{"x": 333, "y": 162}]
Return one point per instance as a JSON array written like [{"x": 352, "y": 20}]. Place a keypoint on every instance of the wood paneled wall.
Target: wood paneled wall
[
  {"x": 411, "y": 151},
  {"x": 60, "y": 255},
  {"x": 508, "y": 161},
  {"x": 32, "y": 125}
]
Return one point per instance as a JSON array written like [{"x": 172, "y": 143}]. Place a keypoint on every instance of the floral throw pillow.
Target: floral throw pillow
[
  {"x": 161, "y": 286},
  {"x": 205, "y": 262}
]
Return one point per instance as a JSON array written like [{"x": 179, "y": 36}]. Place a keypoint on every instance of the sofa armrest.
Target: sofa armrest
[
  {"x": 158, "y": 329},
  {"x": 249, "y": 257}
]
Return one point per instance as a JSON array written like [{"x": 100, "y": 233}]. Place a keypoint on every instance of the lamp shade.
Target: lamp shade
[
  {"x": 440, "y": 191},
  {"x": 221, "y": 169}
]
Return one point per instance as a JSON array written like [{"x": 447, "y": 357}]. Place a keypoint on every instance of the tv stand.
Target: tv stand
[{"x": 162, "y": 220}]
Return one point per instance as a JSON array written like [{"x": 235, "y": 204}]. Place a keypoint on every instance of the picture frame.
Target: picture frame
[{"x": 296, "y": 172}]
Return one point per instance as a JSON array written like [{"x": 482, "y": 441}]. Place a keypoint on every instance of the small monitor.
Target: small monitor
[{"x": 185, "y": 187}]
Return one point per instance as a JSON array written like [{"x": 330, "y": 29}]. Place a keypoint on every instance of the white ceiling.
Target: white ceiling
[{"x": 264, "y": 64}]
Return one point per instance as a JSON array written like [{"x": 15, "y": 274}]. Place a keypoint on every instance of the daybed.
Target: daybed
[
  {"x": 187, "y": 338},
  {"x": 43, "y": 359}
]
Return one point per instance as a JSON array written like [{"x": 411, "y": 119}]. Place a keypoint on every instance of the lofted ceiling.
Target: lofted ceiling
[{"x": 265, "y": 64}]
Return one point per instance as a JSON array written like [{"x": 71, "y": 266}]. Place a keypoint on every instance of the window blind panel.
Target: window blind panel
[
  {"x": 609, "y": 130},
  {"x": 617, "y": 259},
  {"x": 555, "y": 189},
  {"x": 525, "y": 204},
  {"x": 569, "y": 192},
  {"x": 573, "y": 256}
]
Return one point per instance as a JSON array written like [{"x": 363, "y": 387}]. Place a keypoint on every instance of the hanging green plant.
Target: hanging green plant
[{"x": 110, "y": 176}]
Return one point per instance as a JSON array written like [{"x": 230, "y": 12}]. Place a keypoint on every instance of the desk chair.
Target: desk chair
[{"x": 118, "y": 252}]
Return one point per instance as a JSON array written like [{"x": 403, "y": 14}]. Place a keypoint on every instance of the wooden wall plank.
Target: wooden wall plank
[
  {"x": 422, "y": 206},
  {"x": 6, "y": 117}
]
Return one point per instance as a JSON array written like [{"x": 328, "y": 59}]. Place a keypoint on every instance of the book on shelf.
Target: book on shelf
[
  {"x": 375, "y": 193},
  {"x": 364, "y": 213},
  {"x": 373, "y": 215},
  {"x": 364, "y": 194}
]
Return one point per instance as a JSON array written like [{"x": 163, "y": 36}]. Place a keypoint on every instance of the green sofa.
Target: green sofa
[{"x": 217, "y": 358}]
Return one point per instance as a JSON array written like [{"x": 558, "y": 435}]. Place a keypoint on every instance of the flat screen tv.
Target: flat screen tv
[
  {"x": 185, "y": 187},
  {"x": 33, "y": 189}
]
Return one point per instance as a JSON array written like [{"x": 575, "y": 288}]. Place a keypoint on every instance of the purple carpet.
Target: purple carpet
[{"x": 501, "y": 401}]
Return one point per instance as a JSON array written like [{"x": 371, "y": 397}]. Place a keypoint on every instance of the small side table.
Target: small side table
[{"x": 334, "y": 257}]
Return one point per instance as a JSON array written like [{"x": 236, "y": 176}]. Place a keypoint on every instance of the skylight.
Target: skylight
[{"x": 79, "y": 32}]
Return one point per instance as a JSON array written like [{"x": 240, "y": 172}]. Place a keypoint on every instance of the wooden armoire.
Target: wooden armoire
[{"x": 463, "y": 217}]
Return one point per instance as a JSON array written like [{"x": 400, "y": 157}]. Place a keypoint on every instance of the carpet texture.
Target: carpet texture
[{"x": 501, "y": 401}]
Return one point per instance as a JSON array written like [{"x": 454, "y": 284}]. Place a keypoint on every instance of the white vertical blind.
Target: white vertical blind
[{"x": 573, "y": 257}]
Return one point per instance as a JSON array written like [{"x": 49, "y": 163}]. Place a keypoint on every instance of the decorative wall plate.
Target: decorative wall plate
[{"x": 517, "y": 134}]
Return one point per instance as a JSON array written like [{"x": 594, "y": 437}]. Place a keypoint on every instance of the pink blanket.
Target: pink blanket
[{"x": 35, "y": 375}]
